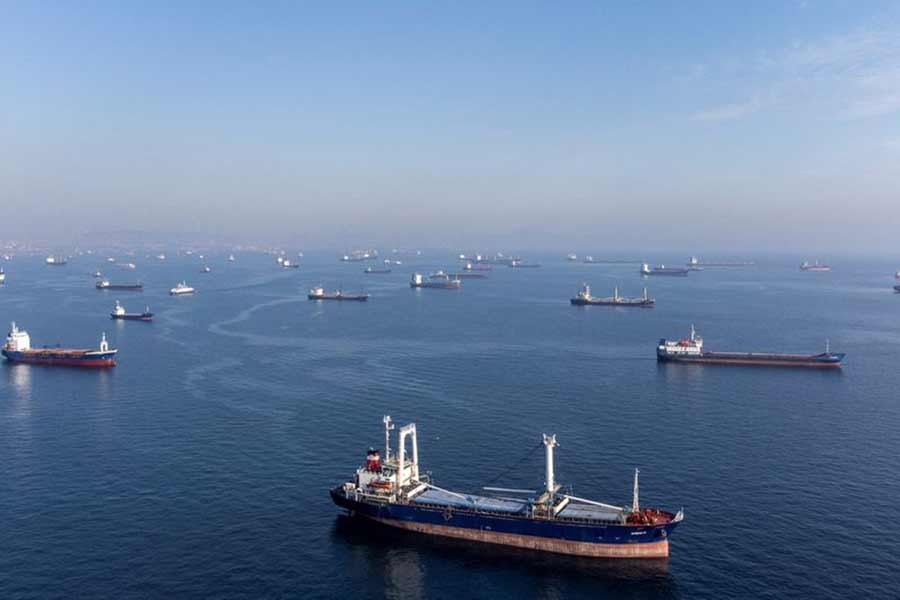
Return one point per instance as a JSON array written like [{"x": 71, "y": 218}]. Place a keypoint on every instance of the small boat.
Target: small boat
[
  {"x": 319, "y": 293},
  {"x": 181, "y": 289},
  {"x": 104, "y": 284},
  {"x": 584, "y": 298},
  {"x": 205, "y": 269},
  {"x": 647, "y": 270},
  {"x": 286, "y": 264},
  {"x": 572, "y": 257},
  {"x": 231, "y": 258},
  {"x": 2, "y": 276},
  {"x": 418, "y": 281},
  {"x": 55, "y": 261},
  {"x": 815, "y": 267},
  {"x": 120, "y": 314}
]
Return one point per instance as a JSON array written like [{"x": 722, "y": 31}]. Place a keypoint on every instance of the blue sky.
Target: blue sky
[{"x": 734, "y": 125}]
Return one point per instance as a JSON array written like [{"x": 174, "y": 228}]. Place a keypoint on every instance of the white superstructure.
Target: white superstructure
[
  {"x": 119, "y": 310},
  {"x": 17, "y": 340},
  {"x": 181, "y": 289},
  {"x": 692, "y": 346}
]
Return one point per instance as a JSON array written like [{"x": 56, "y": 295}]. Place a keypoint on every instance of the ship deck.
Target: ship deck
[{"x": 441, "y": 498}]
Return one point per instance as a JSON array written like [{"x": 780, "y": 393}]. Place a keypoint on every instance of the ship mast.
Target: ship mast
[
  {"x": 635, "y": 505},
  {"x": 387, "y": 436},
  {"x": 550, "y": 444}
]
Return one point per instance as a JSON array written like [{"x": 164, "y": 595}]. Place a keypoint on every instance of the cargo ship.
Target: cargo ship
[
  {"x": 377, "y": 271},
  {"x": 56, "y": 261},
  {"x": 119, "y": 313},
  {"x": 805, "y": 266},
  {"x": 663, "y": 270},
  {"x": 690, "y": 350},
  {"x": 18, "y": 349},
  {"x": 695, "y": 265},
  {"x": 477, "y": 267},
  {"x": 395, "y": 492},
  {"x": 520, "y": 264},
  {"x": 418, "y": 281},
  {"x": 104, "y": 284},
  {"x": 319, "y": 293},
  {"x": 584, "y": 298}
]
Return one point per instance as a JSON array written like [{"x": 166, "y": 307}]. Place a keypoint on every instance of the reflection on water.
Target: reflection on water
[{"x": 400, "y": 555}]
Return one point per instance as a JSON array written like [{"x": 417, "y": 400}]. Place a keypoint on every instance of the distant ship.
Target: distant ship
[
  {"x": 695, "y": 265},
  {"x": 161, "y": 256},
  {"x": 205, "y": 269},
  {"x": 588, "y": 259},
  {"x": 477, "y": 267},
  {"x": 285, "y": 263},
  {"x": 805, "y": 266},
  {"x": 690, "y": 350},
  {"x": 181, "y": 289},
  {"x": 55, "y": 261},
  {"x": 319, "y": 293},
  {"x": 396, "y": 492},
  {"x": 18, "y": 349},
  {"x": 584, "y": 298},
  {"x": 418, "y": 281},
  {"x": 519, "y": 264},
  {"x": 572, "y": 257},
  {"x": 119, "y": 313},
  {"x": 231, "y": 258},
  {"x": 376, "y": 271},
  {"x": 663, "y": 270},
  {"x": 130, "y": 266},
  {"x": 104, "y": 284},
  {"x": 2, "y": 276}
]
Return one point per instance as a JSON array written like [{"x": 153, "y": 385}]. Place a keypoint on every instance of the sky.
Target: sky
[{"x": 713, "y": 126}]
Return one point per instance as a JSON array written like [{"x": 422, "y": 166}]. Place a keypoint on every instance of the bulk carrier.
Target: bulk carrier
[
  {"x": 690, "y": 350},
  {"x": 18, "y": 349},
  {"x": 647, "y": 270},
  {"x": 394, "y": 492},
  {"x": 584, "y": 298}
]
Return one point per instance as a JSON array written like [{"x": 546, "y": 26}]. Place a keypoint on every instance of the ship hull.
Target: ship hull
[
  {"x": 62, "y": 358},
  {"x": 576, "y": 539},
  {"x": 333, "y": 297},
  {"x": 762, "y": 360},
  {"x": 121, "y": 287},
  {"x": 132, "y": 317},
  {"x": 666, "y": 273},
  {"x": 637, "y": 304},
  {"x": 436, "y": 286}
]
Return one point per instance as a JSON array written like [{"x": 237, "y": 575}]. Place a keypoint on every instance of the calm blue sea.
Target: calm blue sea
[{"x": 199, "y": 466}]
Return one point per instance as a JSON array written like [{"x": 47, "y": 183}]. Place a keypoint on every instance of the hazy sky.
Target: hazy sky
[{"x": 699, "y": 125}]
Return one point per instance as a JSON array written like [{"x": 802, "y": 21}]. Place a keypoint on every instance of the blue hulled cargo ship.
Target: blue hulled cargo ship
[{"x": 394, "y": 492}]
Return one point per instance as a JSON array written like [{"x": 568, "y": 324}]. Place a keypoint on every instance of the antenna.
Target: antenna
[{"x": 387, "y": 436}]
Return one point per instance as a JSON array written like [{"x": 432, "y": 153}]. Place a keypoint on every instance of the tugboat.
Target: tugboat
[
  {"x": 319, "y": 293},
  {"x": 104, "y": 284},
  {"x": 119, "y": 313},
  {"x": 815, "y": 267},
  {"x": 584, "y": 298},
  {"x": 396, "y": 492},
  {"x": 417, "y": 281},
  {"x": 18, "y": 349},
  {"x": 690, "y": 350},
  {"x": 181, "y": 289},
  {"x": 647, "y": 270}
]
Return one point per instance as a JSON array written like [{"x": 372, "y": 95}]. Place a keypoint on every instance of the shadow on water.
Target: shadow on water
[{"x": 384, "y": 546}]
